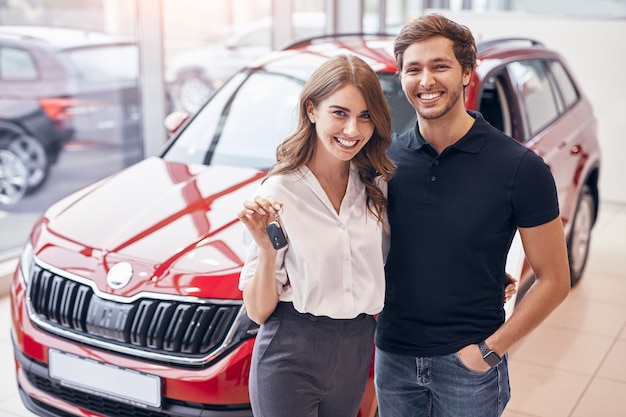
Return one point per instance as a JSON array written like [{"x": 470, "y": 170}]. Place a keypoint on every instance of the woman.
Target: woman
[{"x": 316, "y": 297}]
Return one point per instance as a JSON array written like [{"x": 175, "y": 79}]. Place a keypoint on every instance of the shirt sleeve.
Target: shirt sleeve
[{"x": 534, "y": 196}]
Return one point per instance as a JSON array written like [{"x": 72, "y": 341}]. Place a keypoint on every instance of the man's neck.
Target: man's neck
[{"x": 445, "y": 131}]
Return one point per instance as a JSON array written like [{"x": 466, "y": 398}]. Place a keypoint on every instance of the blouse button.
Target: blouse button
[{"x": 342, "y": 226}]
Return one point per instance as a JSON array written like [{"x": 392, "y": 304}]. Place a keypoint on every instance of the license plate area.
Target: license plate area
[{"x": 105, "y": 380}]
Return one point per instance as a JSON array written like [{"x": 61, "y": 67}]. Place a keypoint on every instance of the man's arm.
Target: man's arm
[{"x": 546, "y": 252}]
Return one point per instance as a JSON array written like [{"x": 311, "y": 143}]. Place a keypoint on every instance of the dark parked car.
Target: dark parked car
[
  {"x": 125, "y": 301},
  {"x": 61, "y": 84}
]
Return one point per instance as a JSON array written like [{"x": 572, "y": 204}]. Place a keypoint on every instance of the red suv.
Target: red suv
[{"x": 125, "y": 301}]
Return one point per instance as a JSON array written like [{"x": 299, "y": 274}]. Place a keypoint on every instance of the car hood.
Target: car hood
[{"x": 175, "y": 224}]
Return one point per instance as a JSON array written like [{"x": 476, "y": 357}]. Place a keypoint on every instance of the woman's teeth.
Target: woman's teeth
[{"x": 346, "y": 143}]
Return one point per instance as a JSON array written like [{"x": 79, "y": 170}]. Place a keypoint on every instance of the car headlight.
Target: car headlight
[{"x": 26, "y": 263}]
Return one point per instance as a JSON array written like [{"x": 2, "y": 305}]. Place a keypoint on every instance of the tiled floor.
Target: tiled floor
[{"x": 573, "y": 365}]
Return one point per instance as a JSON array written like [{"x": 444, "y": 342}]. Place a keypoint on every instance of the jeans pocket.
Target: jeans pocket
[{"x": 472, "y": 371}]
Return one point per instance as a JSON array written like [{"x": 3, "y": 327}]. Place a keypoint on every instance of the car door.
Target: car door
[
  {"x": 550, "y": 127},
  {"x": 523, "y": 100}
]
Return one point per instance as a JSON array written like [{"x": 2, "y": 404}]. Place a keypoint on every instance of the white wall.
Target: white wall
[{"x": 596, "y": 53}]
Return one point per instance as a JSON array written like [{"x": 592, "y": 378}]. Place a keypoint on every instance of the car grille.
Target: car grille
[{"x": 169, "y": 330}]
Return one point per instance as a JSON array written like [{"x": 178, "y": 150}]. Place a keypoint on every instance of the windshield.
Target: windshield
[{"x": 249, "y": 116}]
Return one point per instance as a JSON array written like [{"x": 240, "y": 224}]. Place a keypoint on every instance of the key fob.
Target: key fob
[{"x": 276, "y": 234}]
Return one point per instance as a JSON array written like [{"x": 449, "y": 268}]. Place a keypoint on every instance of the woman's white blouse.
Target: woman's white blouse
[{"x": 333, "y": 265}]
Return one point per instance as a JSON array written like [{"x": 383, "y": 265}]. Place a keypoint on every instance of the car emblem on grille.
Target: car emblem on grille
[{"x": 119, "y": 275}]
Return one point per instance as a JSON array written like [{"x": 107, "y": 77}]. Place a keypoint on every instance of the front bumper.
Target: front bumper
[{"x": 46, "y": 397}]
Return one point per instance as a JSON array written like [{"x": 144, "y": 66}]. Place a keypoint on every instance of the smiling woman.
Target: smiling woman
[{"x": 327, "y": 283}]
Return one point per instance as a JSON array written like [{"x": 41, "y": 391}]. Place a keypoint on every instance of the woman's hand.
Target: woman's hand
[
  {"x": 256, "y": 214},
  {"x": 511, "y": 288}
]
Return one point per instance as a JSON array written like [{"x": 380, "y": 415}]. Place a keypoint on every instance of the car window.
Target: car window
[
  {"x": 17, "y": 65},
  {"x": 494, "y": 106},
  {"x": 106, "y": 63},
  {"x": 565, "y": 83},
  {"x": 402, "y": 113},
  {"x": 533, "y": 84}
]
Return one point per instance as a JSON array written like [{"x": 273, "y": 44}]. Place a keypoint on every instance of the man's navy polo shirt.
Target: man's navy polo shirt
[{"x": 453, "y": 217}]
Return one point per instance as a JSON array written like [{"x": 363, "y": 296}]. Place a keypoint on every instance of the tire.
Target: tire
[
  {"x": 34, "y": 156},
  {"x": 193, "y": 92},
  {"x": 580, "y": 235},
  {"x": 13, "y": 177}
]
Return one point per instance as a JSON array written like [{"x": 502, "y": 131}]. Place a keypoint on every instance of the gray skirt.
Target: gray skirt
[{"x": 310, "y": 366}]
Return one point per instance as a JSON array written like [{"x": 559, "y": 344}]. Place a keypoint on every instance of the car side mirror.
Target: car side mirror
[{"x": 175, "y": 120}]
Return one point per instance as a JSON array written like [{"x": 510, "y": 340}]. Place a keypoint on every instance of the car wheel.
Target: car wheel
[
  {"x": 34, "y": 156},
  {"x": 13, "y": 177},
  {"x": 193, "y": 92},
  {"x": 580, "y": 235}
]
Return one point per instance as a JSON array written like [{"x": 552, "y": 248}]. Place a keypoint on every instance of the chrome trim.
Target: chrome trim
[{"x": 133, "y": 352}]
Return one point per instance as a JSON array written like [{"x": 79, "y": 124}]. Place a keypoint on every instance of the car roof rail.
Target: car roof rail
[
  {"x": 305, "y": 41},
  {"x": 483, "y": 46}
]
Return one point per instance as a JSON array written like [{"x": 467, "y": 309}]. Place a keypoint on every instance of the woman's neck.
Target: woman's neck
[{"x": 333, "y": 178}]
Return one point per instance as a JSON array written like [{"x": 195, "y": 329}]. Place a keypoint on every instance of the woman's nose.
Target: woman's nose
[{"x": 351, "y": 127}]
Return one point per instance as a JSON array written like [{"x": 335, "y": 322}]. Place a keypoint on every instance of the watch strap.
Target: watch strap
[{"x": 489, "y": 356}]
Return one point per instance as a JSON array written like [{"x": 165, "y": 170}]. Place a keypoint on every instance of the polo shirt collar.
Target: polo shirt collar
[{"x": 472, "y": 142}]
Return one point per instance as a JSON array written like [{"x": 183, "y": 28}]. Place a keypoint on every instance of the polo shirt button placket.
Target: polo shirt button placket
[{"x": 433, "y": 178}]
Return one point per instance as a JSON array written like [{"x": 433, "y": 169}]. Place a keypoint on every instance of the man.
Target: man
[{"x": 461, "y": 190}]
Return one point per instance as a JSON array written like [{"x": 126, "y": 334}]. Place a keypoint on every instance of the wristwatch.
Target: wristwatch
[{"x": 491, "y": 357}]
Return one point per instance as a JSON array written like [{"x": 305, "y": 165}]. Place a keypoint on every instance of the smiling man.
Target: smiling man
[{"x": 461, "y": 190}]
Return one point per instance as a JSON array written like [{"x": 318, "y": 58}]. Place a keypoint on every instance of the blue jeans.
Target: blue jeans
[{"x": 438, "y": 386}]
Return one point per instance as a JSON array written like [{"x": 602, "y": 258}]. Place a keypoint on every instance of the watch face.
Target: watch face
[{"x": 492, "y": 359}]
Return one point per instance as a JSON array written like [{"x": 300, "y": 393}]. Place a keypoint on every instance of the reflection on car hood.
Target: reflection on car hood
[{"x": 176, "y": 224}]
